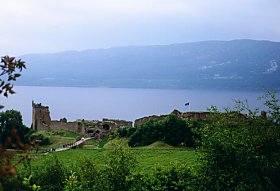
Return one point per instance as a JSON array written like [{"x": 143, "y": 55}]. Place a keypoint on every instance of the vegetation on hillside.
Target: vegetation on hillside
[{"x": 172, "y": 130}]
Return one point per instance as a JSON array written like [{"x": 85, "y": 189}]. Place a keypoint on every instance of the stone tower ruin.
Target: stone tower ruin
[{"x": 41, "y": 119}]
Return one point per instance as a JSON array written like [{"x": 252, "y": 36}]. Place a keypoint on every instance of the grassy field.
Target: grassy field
[
  {"x": 157, "y": 154},
  {"x": 149, "y": 157}
]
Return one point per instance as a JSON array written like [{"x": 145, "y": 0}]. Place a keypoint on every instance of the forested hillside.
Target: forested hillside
[{"x": 207, "y": 64}]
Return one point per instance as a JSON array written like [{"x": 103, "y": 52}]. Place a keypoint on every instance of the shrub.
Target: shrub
[
  {"x": 72, "y": 183},
  {"x": 171, "y": 130},
  {"x": 51, "y": 175},
  {"x": 171, "y": 178},
  {"x": 240, "y": 153},
  {"x": 90, "y": 176},
  {"x": 120, "y": 166},
  {"x": 42, "y": 139},
  {"x": 125, "y": 132}
]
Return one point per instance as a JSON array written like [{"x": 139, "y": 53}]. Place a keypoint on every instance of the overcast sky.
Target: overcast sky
[{"x": 42, "y": 26}]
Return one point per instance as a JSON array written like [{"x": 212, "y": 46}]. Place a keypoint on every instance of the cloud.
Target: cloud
[{"x": 51, "y": 25}]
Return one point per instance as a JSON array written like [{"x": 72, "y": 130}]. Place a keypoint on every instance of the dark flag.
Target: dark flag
[{"x": 187, "y": 103}]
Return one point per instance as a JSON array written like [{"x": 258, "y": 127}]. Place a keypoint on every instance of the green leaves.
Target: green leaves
[
  {"x": 272, "y": 102},
  {"x": 72, "y": 183},
  {"x": 240, "y": 153},
  {"x": 172, "y": 130},
  {"x": 26, "y": 183},
  {"x": 9, "y": 72},
  {"x": 120, "y": 165}
]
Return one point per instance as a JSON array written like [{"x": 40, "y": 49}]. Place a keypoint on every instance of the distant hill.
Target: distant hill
[{"x": 207, "y": 64}]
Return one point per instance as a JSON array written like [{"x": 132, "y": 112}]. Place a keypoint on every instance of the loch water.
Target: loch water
[{"x": 121, "y": 103}]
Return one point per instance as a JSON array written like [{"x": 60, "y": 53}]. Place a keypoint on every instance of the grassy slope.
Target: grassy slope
[
  {"x": 112, "y": 143},
  {"x": 57, "y": 138},
  {"x": 148, "y": 157}
]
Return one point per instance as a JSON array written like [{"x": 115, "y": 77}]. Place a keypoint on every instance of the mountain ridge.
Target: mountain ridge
[{"x": 240, "y": 64}]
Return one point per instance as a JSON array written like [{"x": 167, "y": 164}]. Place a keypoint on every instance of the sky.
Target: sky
[{"x": 46, "y": 26}]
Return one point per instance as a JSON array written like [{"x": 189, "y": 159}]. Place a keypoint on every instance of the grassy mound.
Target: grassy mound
[
  {"x": 159, "y": 145},
  {"x": 115, "y": 142}
]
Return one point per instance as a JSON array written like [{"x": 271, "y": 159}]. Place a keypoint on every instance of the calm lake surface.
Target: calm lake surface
[{"x": 120, "y": 103}]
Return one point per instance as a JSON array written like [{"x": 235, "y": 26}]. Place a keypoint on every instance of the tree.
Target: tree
[
  {"x": 273, "y": 103},
  {"x": 11, "y": 120}
]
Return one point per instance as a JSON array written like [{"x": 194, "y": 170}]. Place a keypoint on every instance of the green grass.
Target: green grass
[
  {"x": 71, "y": 135},
  {"x": 147, "y": 159},
  {"x": 60, "y": 138},
  {"x": 159, "y": 145},
  {"x": 57, "y": 138},
  {"x": 103, "y": 142},
  {"x": 112, "y": 143},
  {"x": 150, "y": 158}
]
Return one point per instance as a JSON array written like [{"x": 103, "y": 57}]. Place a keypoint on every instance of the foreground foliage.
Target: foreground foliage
[
  {"x": 118, "y": 173},
  {"x": 241, "y": 152},
  {"x": 10, "y": 71}
]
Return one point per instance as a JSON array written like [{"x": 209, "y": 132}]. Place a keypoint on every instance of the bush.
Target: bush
[
  {"x": 72, "y": 183},
  {"x": 51, "y": 175},
  {"x": 171, "y": 130},
  {"x": 171, "y": 178},
  {"x": 125, "y": 132},
  {"x": 168, "y": 178},
  {"x": 42, "y": 139},
  {"x": 240, "y": 153},
  {"x": 90, "y": 176},
  {"x": 120, "y": 166}
]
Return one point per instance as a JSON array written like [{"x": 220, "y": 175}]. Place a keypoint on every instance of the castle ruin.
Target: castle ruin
[
  {"x": 183, "y": 115},
  {"x": 41, "y": 120}
]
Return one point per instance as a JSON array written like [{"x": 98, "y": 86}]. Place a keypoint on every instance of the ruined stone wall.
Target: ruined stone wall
[
  {"x": 186, "y": 115},
  {"x": 101, "y": 129},
  {"x": 142, "y": 120},
  {"x": 118, "y": 123},
  {"x": 75, "y": 127},
  {"x": 196, "y": 115}
]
